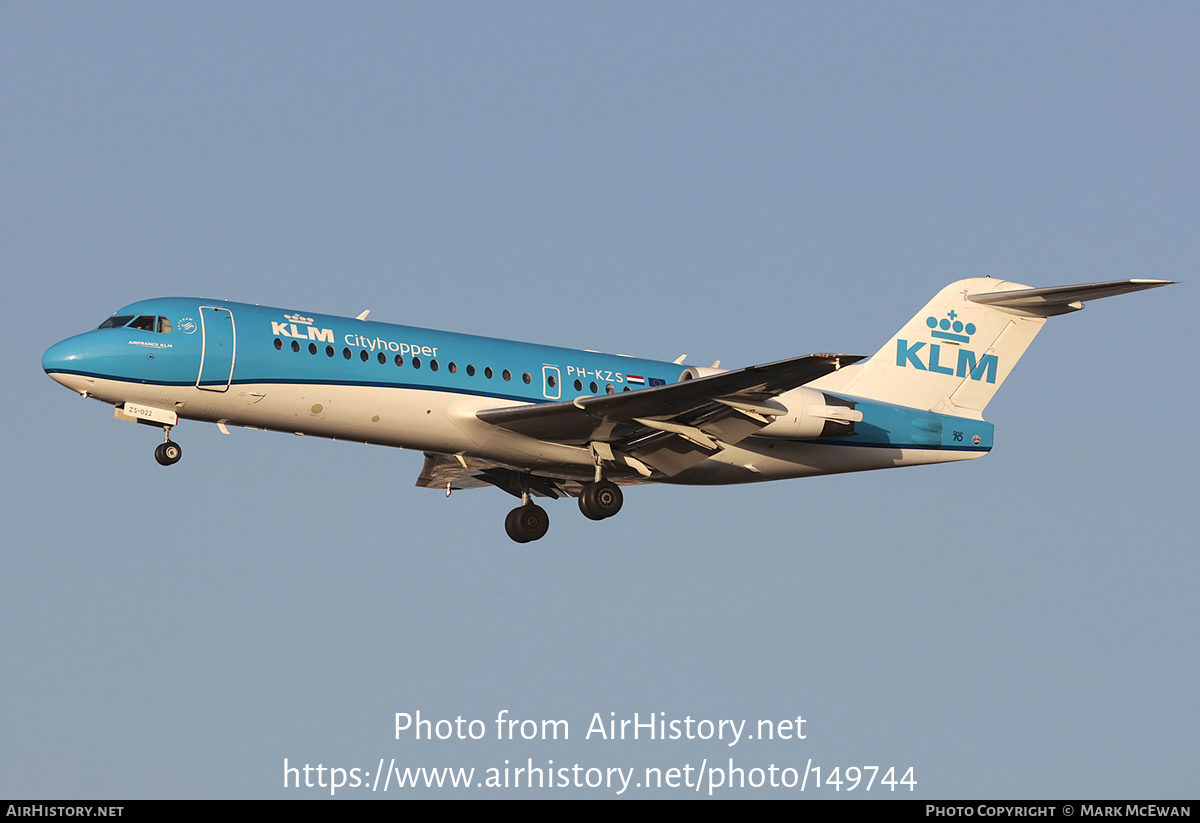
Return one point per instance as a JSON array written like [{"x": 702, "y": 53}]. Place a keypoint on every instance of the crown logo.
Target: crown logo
[
  {"x": 948, "y": 328},
  {"x": 298, "y": 318}
]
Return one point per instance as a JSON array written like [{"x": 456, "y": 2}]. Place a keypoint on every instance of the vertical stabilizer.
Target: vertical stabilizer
[{"x": 958, "y": 350}]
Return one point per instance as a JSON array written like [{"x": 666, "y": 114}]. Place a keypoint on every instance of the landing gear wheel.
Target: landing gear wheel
[
  {"x": 600, "y": 500},
  {"x": 527, "y": 523},
  {"x": 510, "y": 526},
  {"x": 168, "y": 453}
]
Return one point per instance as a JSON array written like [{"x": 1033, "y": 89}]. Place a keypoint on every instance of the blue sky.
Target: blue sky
[{"x": 742, "y": 183}]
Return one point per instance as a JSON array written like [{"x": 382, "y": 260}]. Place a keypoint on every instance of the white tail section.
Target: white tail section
[{"x": 958, "y": 350}]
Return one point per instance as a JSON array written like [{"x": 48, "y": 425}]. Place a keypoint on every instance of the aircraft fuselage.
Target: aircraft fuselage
[{"x": 311, "y": 374}]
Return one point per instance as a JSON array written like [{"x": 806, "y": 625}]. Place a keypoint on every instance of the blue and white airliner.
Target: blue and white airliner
[{"x": 551, "y": 422}]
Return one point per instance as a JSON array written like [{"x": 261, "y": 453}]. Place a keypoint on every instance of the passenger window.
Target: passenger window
[
  {"x": 433, "y": 365},
  {"x": 278, "y": 344},
  {"x": 506, "y": 374},
  {"x": 382, "y": 358},
  {"x": 528, "y": 378},
  {"x": 295, "y": 345}
]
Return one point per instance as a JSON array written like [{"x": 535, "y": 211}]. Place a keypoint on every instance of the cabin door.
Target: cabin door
[{"x": 218, "y": 346}]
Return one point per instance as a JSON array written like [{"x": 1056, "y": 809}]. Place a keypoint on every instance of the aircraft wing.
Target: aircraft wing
[{"x": 669, "y": 428}]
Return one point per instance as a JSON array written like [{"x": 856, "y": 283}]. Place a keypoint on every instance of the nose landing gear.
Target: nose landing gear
[{"x": 168, "y": 452}]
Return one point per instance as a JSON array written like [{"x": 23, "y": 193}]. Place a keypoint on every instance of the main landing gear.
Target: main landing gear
[
  {"x": 168, "y": 452},
  {"x": 529, "y": 522},
  {"x": 600, "y": 500}
]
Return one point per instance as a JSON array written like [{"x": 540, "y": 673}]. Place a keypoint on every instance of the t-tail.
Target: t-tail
[{"x": 958, "y": 350}]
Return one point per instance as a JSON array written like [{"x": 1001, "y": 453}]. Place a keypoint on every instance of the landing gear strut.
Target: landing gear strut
[{"x": 168, "y": 452}]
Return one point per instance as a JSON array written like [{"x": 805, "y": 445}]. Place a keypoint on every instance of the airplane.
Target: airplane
[{"x": 542, "y": 421}]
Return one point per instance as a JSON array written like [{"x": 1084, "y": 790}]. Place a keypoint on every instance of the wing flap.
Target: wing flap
[
  {"x": 455, "y": 472},
  {"x": 443, "y": 471}
]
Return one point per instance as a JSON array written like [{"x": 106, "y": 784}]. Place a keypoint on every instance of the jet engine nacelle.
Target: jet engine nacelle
[
  {"x": 812, "y": 414},
  {"x": 692, "y": 372}
]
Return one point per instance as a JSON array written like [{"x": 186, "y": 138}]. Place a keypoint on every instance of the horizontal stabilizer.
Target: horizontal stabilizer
[{"x": 1055, "y": 300}]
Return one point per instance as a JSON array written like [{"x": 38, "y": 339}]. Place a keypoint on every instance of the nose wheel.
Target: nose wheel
[
  {"x": 168, "y": 454},
  {"x": 168, "y": 451}
]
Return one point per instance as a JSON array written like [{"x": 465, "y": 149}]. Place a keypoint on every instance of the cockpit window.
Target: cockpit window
[{"x": 145, "y": 322}]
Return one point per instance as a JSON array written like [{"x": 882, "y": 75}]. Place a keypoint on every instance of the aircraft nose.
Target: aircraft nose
[
  {"x": 63, "y": 358},
  {"x": 59, "y": 356}
]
